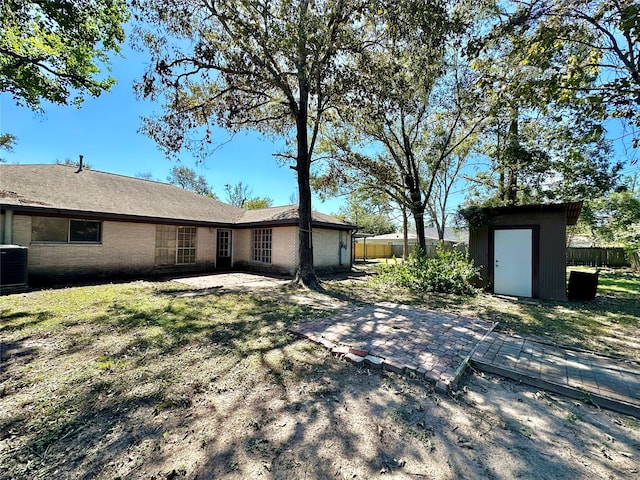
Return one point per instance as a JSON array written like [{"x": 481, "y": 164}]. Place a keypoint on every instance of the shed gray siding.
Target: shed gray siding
[{"x": 549, "y": 267}]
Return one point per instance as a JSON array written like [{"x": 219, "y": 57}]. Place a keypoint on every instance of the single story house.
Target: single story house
[
  {"x": 82, "y": 223},
  {"x": 521, "y": 250},
  {"x": 392, "y": 244}
]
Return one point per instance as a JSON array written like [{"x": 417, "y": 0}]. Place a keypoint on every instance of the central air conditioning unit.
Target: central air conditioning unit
[{"x": 13, "y": 266}]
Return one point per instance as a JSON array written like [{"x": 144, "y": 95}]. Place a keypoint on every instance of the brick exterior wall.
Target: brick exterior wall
[
  {"x": 327, "y": 246},
  {"x": 284, "y": 254},
  {"x": 283, "y": 251},
  {"x": 126, "y": 249}
]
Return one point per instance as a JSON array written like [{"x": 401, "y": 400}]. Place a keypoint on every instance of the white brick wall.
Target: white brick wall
[
  {"x": 206, "y": 245},
  {"x": 126, "y": 247},
  {"x": 327, "y": 249},
  {"x": 130, "y": 248},
  {"x": 283, "y": 250},
  {"x": 284, "y": 255}
]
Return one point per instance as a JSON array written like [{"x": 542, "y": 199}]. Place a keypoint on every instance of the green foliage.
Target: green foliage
[
  {"x": 240, "y": 195},
  {"x": 449, "y": 271},
  {"x": 54, "y": 50},
  {"x": 256, "y": 203},
  {"x": 476, "y": 216},
  {"x": 7, "y": 142},
  {"x": 542, "y": 70},
  {"x": 185, "y": 177},
  {"x": 370, "y": 212}
]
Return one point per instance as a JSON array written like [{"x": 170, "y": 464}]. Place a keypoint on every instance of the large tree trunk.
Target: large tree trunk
[
  {"x": 513, "y": 160},
  {"x": 306, "y": 274},
  {"x": 417, "y": 210}
]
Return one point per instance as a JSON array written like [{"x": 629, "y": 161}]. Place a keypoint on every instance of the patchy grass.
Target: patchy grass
[
  {"x": 155, "y": 380},
  {"x": 83, "y": 356}
]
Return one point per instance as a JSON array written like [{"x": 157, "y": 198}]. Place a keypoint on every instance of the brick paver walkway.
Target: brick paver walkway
[
  {"x": 439, "y": 346},
  {"x": 400, "y": 337},
  {"x": 608, "y": 382}
]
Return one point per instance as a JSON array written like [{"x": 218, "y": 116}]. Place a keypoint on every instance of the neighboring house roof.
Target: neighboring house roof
[
  {"x": 451, "y": 234},
  {"x": 580, "y": 241},
  {"x": 61, "y": 189}
]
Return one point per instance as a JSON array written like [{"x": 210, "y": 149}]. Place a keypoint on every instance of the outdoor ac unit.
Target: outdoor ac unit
[{"x": 13, "y": 266}]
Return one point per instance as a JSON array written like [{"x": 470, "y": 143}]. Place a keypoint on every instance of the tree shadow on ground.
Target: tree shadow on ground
[{"x": 214, "y": 386}]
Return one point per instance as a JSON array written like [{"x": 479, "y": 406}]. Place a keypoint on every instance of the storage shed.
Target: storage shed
[{"x": 521, "y": 250}]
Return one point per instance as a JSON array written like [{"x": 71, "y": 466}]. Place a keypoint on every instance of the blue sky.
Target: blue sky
[{"x": 104, "y": 130}]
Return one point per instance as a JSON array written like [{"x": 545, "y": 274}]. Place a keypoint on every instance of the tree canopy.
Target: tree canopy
[
  {"x": 276, "y": 66},
  {"x": 545, "y": 137},
  {"x": 240, "y": 195},
  {"x": 601, "y": 46},
  {"x": 187, "y": 178},
  {"x": 57, "y": 50}
]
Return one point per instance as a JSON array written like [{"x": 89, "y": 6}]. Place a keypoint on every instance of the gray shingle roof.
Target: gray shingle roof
[
  {"x": 286, "y": 214},
  {"x": 60, "y": 188}
]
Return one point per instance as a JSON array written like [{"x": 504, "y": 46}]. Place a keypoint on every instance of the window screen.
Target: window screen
[
  {"x": 175, "y": 245},
  {"x": 186, "y": 253},
  {"x": 165, "y": 245},
  {"x": 84, "y": 231},
  {"x": 261, "y": 251},
  {"x": 64, "y": 230}
]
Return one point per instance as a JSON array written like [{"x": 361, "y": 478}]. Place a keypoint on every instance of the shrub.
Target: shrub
[{"x": 449, "y": 271}]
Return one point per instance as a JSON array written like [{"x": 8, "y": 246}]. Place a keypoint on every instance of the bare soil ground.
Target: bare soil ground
[{"x": 158, "y": 381}]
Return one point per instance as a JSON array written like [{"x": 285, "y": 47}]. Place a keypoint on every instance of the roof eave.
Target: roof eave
[{"x": 91, "y": 215}]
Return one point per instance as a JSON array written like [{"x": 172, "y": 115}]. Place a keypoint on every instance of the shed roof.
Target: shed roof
[
  {"x": 570, "y": 209},
  {"x": 62, "y": 189}
]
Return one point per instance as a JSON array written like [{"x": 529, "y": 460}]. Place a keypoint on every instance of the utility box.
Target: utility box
[
  {"x": 582, "y": 285},
  {"x": 13, "y": 266}
]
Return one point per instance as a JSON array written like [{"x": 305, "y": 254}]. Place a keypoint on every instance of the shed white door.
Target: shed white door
[{"x": 513, "y": 262}]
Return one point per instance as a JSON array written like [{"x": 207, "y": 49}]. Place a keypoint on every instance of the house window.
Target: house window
[
  {"x": 64, "y": 230},
  {"x": 175, "y": 245},
  {"x": 165, "y": 244},
  {"x": 84, "y": 231},
  {"x": 186, "y": 253},
  {"x": 261, "y": 251}
]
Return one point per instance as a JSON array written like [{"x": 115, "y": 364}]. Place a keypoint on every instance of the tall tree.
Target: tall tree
[
  {"x": 256, "y": 203},
  {"x": 187, "y": 178},
  {"x": 372, "y": 213},
  {"x": 445, "y": 179},
  {"x": 421, "y": 108},
  {"x": 609, "y": 30},
  {"x": 277, "y": 66},
  {"x": 240, "y": 195},
  {"x": 545, "y": 142},
  {"x": 55, "y": 50}
]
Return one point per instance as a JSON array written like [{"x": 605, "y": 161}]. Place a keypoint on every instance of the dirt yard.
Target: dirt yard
[{"x": 159, "y": 381}]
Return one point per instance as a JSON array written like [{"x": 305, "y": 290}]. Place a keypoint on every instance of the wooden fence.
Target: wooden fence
[
  {"x": 592, "y": 257},
  {"x": 391, "y": 251},
  {"x": 597, "y": 257}
]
